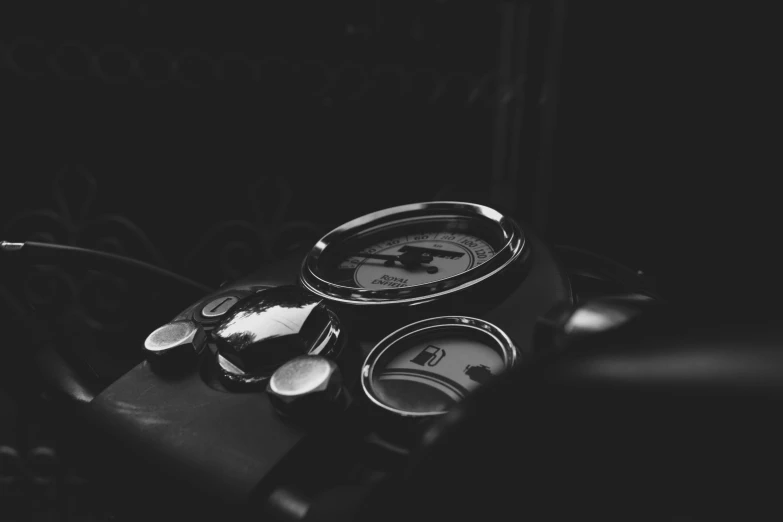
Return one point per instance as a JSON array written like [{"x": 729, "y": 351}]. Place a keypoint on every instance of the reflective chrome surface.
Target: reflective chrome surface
[
  {"x": 234, "y": 377},
  {"x": 268, "y": 328},
  {"x": 564, "y": 324},
  {"x": 604, "y": 313},
  {"x": 514, "y": 246},
  {"x": 219, "y": 306},
  {"x": 302, "y": 376},
  {"x": 173, "y": 344},
  {"x": 401, "y": 339},
  {"x": 7, "y": 246},
  {"x": 170, "y": 336},
  {"x": 304, "y": 385}
]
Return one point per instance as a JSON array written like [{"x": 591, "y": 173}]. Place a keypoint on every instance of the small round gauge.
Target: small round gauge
[
  {"x": 423, "y": 369},
  {"x": 412, "y": 253}
]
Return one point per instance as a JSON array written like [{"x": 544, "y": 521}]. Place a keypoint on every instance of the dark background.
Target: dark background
[
  {"x": 661, "y": 154},
  {"x": 279, "y": 122}
]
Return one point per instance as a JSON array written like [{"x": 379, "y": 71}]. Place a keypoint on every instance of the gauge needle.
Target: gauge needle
[
  {"x": 434, "y": 252},
  {"x": 406, "y": 259}
]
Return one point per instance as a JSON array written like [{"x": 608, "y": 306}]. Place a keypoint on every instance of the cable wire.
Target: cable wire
[{"x": 33, "y": 252}]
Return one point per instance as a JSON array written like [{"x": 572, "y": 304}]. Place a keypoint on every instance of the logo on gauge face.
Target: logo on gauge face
[
  {"x": 392, "y": 265},
  {"x": 479, "y": 373},
  {"x": 429, "y": 356},
  {"x": 391, "y": 281}
]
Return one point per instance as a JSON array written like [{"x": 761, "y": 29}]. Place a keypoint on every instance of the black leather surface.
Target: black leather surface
[{"x": 218, "y": 443}]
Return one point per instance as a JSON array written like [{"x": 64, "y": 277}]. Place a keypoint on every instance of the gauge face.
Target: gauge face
[
  {"x": 428, "y": 366},
  {"x": 403, "y": 255},
  {"x": 412, "y": 253},
  {"x": 434, "y": 373}
]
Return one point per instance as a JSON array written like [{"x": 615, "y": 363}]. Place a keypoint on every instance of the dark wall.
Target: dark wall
[
  {"x": 185, "y": 119},
  {"x": 661, "y": 158},
  {"x": 666, "y": 155}
]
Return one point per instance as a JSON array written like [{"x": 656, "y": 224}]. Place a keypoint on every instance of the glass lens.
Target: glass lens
[{"x": 435, "y": 372}]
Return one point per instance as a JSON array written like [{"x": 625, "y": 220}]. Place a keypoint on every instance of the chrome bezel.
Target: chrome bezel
[
  {"x": 513, "y": 247},
  {"x": 396, "y": 340}
]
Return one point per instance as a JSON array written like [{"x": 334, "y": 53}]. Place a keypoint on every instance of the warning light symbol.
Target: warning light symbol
[
  {"x": 479, "y": 373},
  {"x": 430, "y": 356}
]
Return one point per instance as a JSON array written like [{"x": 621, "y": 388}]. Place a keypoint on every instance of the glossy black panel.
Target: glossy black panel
[{"x": 270, "y": 327}]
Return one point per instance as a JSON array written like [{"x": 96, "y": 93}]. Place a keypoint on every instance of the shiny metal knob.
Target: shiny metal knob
[
  {"x": 174, "y": 346},
  {"x": 564, "y": 325},
  {"x": 266, "y": 329},
  {"x": 308, "y": 387},
  {"x": 604, "y": 314}
]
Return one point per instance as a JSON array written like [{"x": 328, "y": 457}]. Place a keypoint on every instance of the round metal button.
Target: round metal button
[
  {"x": 169, "y": 336},
  {"x": 219, "y": 306},
  {"x": 302, "y": 376},
  {"x": 174, "y": 345},
  {"x": 307, "y": 387}
]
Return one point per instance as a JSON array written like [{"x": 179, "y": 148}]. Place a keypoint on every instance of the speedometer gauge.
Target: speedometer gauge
[
  {"x": 412, "y": 253},
  {"x": 432, "y": 255}
]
